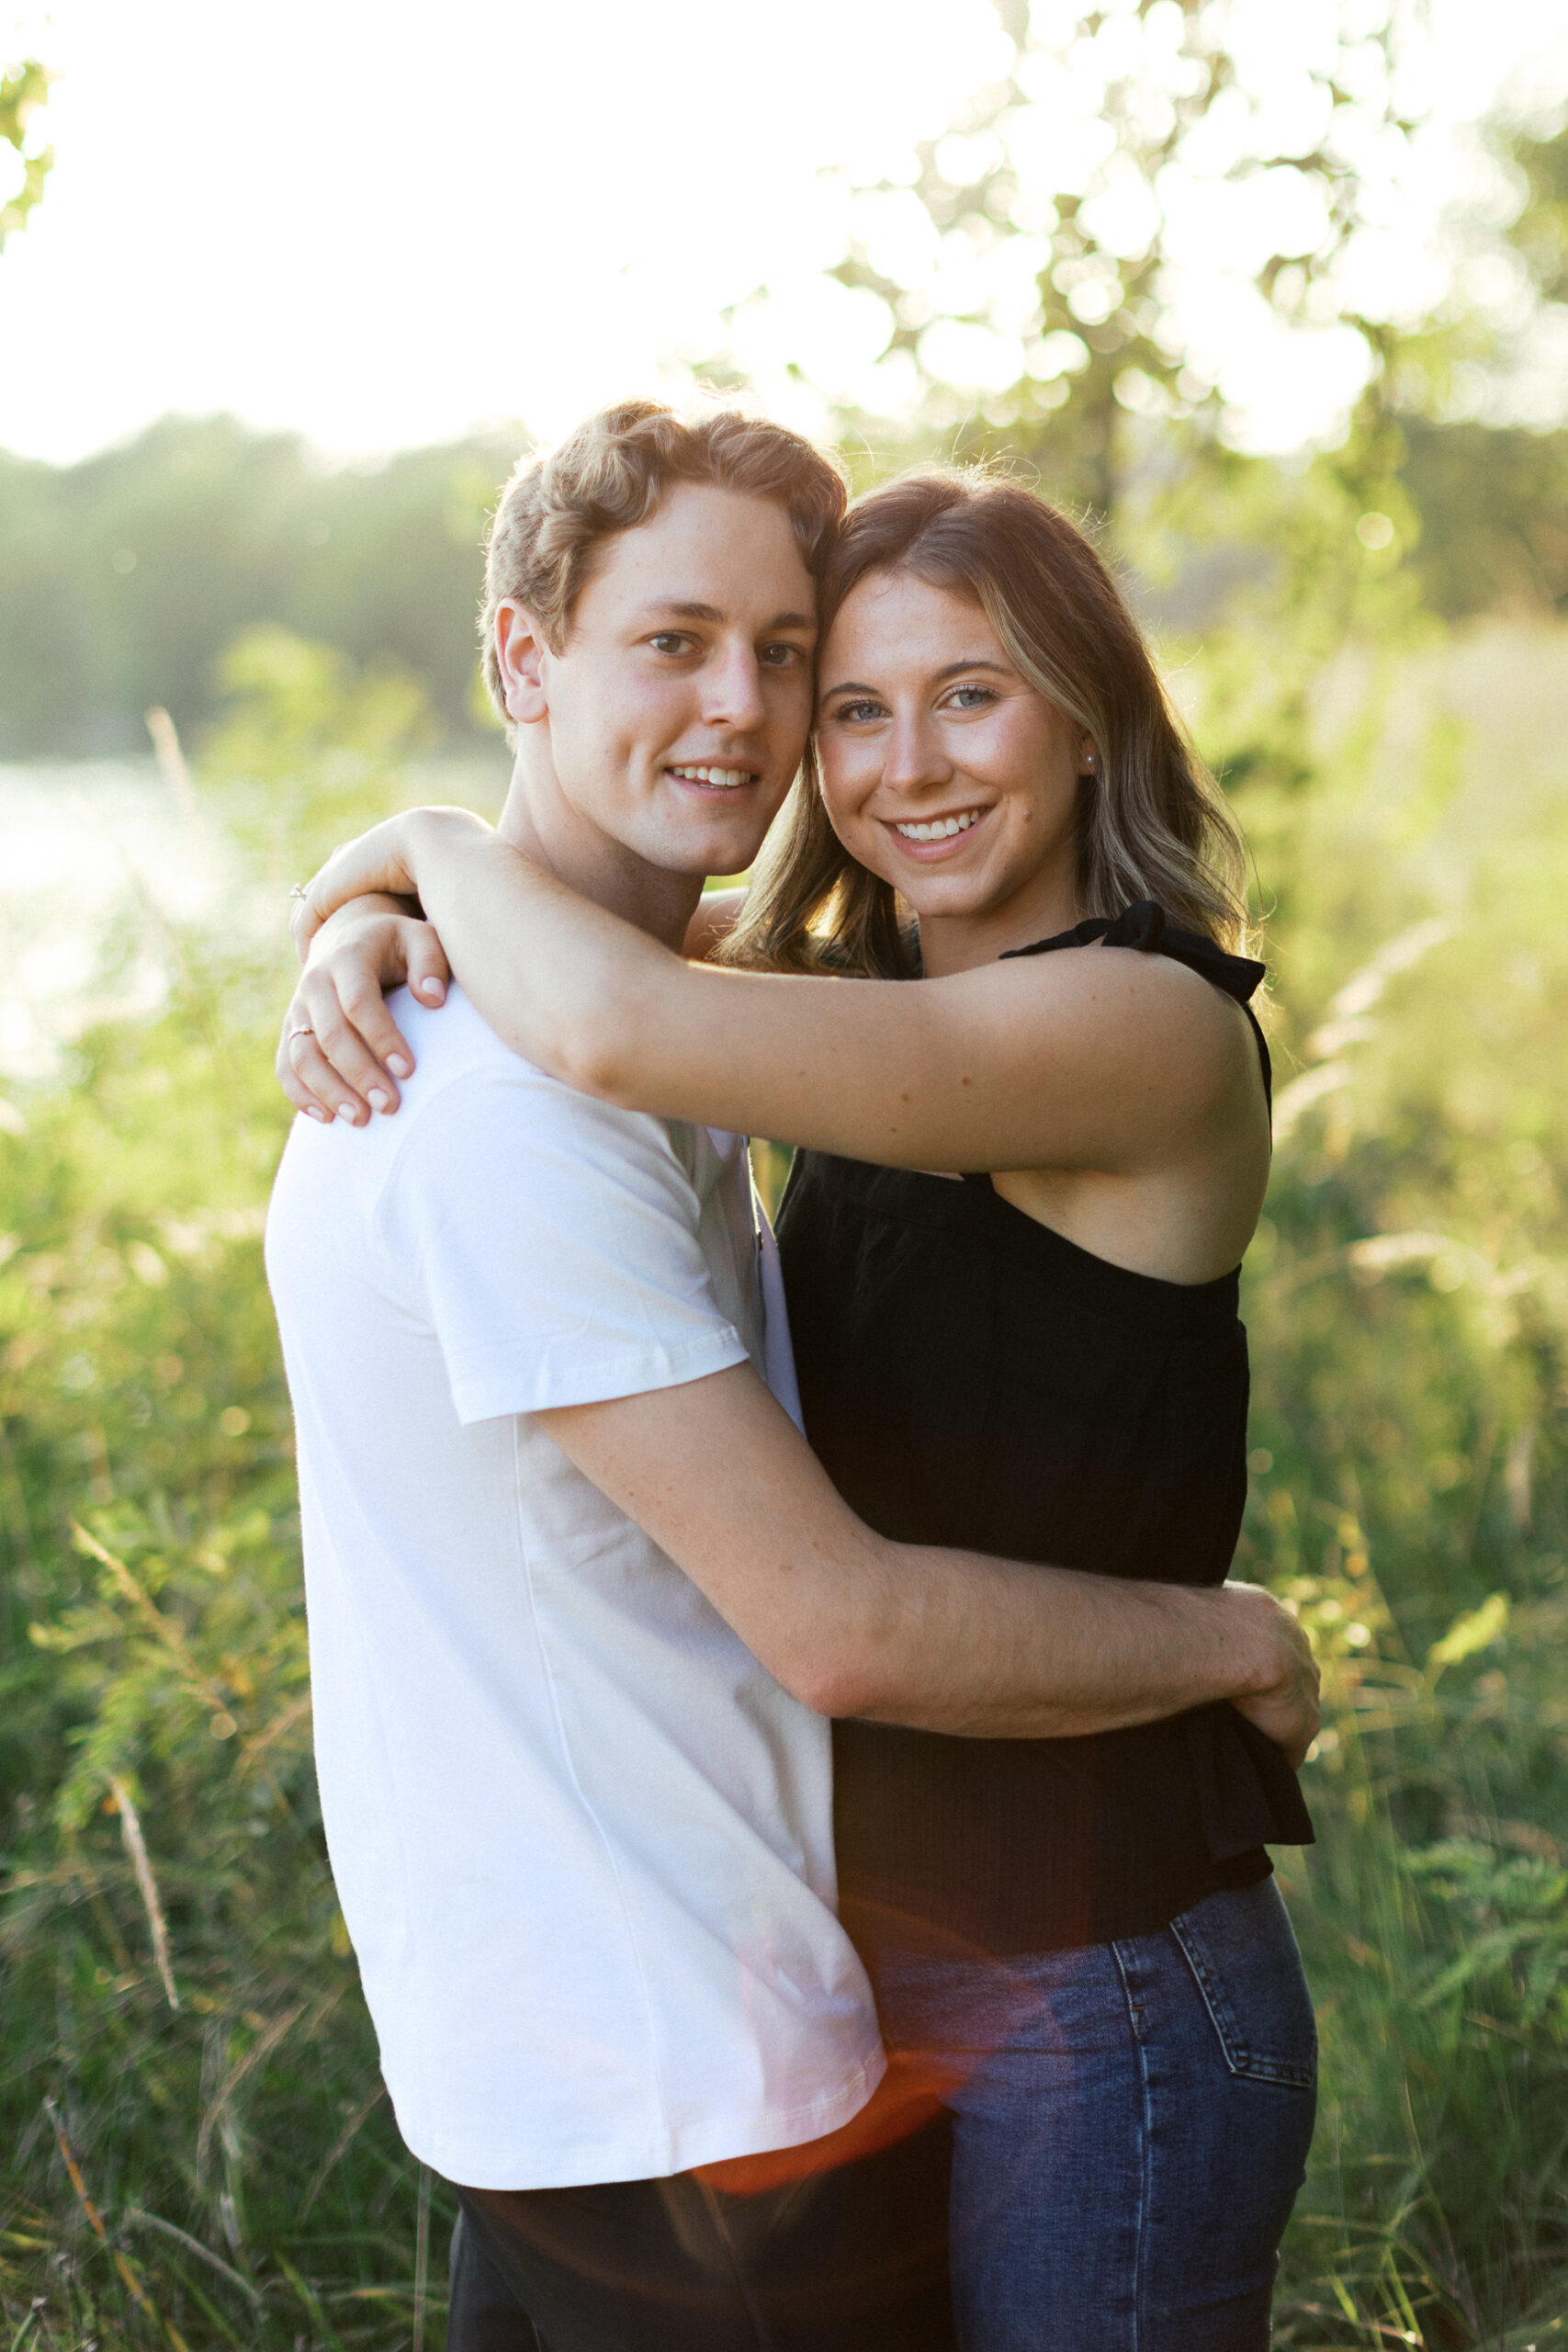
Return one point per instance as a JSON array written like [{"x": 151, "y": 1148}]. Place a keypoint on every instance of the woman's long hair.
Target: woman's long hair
[{"x": 1152, "y": 823}]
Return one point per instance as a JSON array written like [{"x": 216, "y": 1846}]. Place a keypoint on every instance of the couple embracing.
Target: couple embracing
[{"x": 811, "y": 1890}]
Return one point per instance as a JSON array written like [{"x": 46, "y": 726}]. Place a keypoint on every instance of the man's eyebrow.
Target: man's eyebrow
[
  {"x": 952, "y": 670},
  {"x": 678, "y": 610}
]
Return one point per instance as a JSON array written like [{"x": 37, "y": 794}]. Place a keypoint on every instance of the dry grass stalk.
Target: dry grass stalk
[
  {"x": 341, "y": 2145},
  {"x": 138, "y": 2293},
  {"x": 136, "y": 1847},
  {"x": 421, "y": 2260},
  {"x": 157, "y": 1622},
  {"x": 139, "y": 2217},
  {"x": 260, "y": 2048}
]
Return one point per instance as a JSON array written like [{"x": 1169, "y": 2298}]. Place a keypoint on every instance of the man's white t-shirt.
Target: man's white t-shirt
[{"x": 581, "y": 1839}]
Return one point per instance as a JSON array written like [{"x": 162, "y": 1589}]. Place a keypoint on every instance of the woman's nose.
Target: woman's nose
[{"x": 915, "y": 756}]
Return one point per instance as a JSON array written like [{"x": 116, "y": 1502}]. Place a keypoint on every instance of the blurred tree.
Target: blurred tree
[
  {"x": 1040, "y": 258},
  {"x": 1483, "y": 403},
  {"x": 122, "y": 579},
  {"x": 1539, "y": 233},
  {"x": 1493, "y": 503},
  {"x": 23, "y": 90}
]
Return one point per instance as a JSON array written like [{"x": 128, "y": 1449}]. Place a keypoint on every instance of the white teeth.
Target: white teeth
[
  {"x": 940, "y": 826},
  {"x": 726, "y": 778}
]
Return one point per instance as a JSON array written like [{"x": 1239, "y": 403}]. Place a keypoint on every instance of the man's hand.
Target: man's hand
[
  {"x": 1285, "y": 1702},
  {"x": 341, "y": 1053}
]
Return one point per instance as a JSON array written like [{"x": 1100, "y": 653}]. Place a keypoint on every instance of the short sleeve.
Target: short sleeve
[{"x": 552, "y": 1241}]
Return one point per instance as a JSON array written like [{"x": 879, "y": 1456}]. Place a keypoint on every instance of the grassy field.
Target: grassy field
[{"x": 197, "y": 2149}]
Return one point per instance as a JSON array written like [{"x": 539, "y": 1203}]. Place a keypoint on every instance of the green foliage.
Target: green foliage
[
  {"x": 238, "y": 2146},
  {"x": 1409, "y": 1317},
  {"x": 123, "y": 578},
  {"x": 23, "y": 90},
  {"x": 1494, "y": 508},
  {"x": 153, "y": 1681},
  {"x": 1403, "y": 785},
  {"x": 308, "y": 746}
]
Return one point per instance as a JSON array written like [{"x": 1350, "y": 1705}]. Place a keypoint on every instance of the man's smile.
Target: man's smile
[{"x": 713, "y": 779}]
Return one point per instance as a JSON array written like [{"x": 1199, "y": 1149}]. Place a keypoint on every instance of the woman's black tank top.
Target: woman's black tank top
[{"x": 970, "y": 1377}]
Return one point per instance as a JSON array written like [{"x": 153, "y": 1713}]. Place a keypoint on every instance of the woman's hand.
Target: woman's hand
[
  {"x": 382, "y": 862},
  {"x": 340, "y": 1052}
]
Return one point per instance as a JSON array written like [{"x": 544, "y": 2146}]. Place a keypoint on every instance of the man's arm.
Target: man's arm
[{"x": 717, "y": 1474}]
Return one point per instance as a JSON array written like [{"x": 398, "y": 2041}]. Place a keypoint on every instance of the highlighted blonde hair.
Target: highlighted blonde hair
[{"x": 1152, "y": 823}]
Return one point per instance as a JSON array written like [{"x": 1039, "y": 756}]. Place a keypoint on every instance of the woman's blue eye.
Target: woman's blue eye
[
  {"x": 967, "y": 697},
  {"x": 857, "y": 712}
]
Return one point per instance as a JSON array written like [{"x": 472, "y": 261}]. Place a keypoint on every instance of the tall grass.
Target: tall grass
[{"x": 198, "y": 2150}]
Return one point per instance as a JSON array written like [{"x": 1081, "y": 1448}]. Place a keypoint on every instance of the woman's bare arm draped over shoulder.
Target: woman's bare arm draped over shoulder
[{"x": 1104, "y": 1060}]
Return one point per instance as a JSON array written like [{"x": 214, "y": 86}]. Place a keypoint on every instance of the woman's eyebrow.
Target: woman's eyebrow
[
  {"x": 973, "y": 662},
  {"x": 952, "y": 670}
]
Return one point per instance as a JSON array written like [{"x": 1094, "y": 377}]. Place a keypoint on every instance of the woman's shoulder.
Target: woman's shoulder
[{"x": 1145, "y": 928}]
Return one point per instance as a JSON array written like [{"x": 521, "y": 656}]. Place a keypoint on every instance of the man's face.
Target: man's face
[{"x": 678, "y": 707}]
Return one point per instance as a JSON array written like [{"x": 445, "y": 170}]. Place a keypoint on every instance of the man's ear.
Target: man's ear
[{"x": 520, "y": 651}]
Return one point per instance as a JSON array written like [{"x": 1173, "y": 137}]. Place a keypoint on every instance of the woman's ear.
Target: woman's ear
[{"x": 520, "y": 651}]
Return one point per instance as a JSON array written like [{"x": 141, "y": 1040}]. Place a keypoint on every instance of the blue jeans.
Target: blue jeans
[{"x": 1130, "y": 2132}]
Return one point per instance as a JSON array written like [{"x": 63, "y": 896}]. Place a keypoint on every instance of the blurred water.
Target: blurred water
[
  {"x": 97, "y": 856},
  {"x": 85, "y": 845}
]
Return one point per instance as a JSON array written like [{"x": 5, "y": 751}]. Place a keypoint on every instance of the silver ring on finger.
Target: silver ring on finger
[{"x": 298, "y": 890}]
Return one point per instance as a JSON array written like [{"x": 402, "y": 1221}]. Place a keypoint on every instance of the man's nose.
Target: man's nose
[{"x": 734, "y": 689}]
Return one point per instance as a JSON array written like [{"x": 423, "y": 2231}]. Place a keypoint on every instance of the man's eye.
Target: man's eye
[
  {"x": 669, "y": 641},
  {"x": 782, "y": 656}
]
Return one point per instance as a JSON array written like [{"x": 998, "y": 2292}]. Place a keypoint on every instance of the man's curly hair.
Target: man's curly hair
[{"x": 609, "y": 475}]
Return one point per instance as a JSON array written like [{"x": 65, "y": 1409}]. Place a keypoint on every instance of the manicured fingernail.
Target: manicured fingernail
[
  {"x": 311, "y": 1112},
  {"x": 347, "y": 1111},
  {"x": 396, "y": 1063},
  {"x": 433, "y": 990},
  {"x": 377, "y": 1099}
]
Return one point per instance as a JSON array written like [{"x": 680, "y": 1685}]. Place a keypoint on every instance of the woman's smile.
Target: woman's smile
[{"x": 930, "y": 838}]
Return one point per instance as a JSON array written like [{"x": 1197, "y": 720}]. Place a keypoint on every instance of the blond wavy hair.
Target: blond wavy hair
[
  {"x": 1152, "y": 823},
  {"x": 609, "y": 475}
]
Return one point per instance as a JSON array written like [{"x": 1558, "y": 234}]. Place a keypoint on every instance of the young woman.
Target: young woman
[{"x": 1011, "y": 1243}]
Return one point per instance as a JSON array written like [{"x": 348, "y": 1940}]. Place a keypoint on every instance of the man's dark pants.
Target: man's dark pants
[{"x": 853, "y": 2261}]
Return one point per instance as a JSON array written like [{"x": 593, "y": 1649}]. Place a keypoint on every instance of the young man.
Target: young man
[{"x": 581, "y": 1597}]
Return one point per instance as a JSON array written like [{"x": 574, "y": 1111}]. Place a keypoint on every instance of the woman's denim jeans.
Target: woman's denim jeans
[{"x": 1129, "y": 2132}]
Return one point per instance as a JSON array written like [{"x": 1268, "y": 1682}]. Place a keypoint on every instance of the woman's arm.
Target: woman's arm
[
  {"x": 717, "y": 914},
  {"x": 1107, "y": 1060}
]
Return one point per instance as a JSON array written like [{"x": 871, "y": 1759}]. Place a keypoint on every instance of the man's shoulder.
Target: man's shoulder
[
  {"x": 465, "y": 1076},
  {"x": 450, "y": 1041},
  {"x": 467, "y": 1087},
  {"x": 480, "y": 1132}
]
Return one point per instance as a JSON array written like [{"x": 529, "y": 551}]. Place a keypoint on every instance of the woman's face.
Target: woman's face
[{"x": 944, "y": 770}]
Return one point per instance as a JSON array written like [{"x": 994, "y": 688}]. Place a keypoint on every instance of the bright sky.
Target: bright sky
[{"x": 383, "y": 222}]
